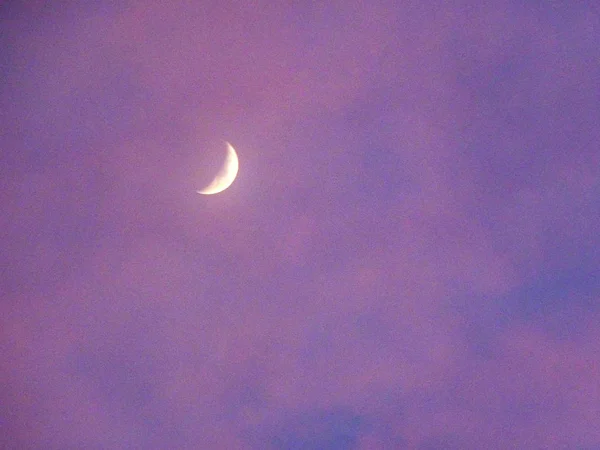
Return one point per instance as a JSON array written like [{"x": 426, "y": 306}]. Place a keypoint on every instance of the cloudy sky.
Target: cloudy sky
[{"x": 409, "y": 257}]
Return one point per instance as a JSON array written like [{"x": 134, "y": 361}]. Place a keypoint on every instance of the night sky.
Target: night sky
[{"x": 409, "y": 257}]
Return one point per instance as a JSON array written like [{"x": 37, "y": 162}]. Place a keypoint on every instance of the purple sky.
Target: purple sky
[{"x": 409, "y": 257}]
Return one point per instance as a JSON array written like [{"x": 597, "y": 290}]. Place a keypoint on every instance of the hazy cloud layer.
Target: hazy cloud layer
[{"x": 408, "y": 258}]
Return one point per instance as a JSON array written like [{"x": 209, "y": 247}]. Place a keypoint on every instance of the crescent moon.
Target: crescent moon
[{"x": 225, "y": 176}]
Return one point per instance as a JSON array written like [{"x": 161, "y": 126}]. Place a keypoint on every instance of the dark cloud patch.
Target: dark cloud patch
[
  {"x": 125, "y": 375},
  {"x": 481, "y": 337},
  {"x": 335, "y": 429},
  {"x": 589, "y": 447},
  {"x": 560, "y": 14},
  {"x": 557, "y": 301},
  {"x": 117, "y": 358},
  {"x": 556, "y": 292},
  {"x": 244, "y": 391},
  {"x": 12, "y": 433},
  {"x": 117, "y": 374}
]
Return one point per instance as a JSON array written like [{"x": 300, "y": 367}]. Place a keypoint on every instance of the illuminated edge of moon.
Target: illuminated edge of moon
[{"x": 226, "y": 174}]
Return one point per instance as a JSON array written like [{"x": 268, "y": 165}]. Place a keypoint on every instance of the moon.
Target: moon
[{"x": 226, "y": 174}]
